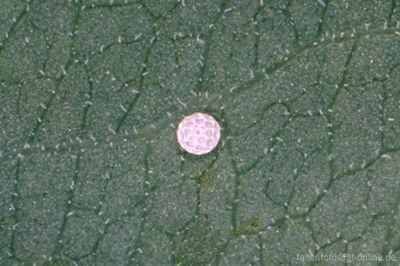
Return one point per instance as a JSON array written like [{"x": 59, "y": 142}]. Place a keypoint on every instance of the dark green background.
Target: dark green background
[{"x": 307, "y": 93}]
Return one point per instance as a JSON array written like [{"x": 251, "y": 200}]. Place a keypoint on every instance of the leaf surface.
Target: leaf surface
[{"x": 307, "y": 94}]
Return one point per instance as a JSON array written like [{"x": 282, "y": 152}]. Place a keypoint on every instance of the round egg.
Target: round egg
[{"x": 198, "y": 133}]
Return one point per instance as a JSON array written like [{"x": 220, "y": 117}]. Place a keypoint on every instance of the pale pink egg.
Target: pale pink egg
[{"x": 198, "y": 133}]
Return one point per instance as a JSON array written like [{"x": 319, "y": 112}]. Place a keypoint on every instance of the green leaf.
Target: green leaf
[{"x": 307, "y": 94}]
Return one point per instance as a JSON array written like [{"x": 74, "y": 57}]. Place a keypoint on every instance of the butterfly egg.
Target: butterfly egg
[{"x": 198, "y": 133}]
